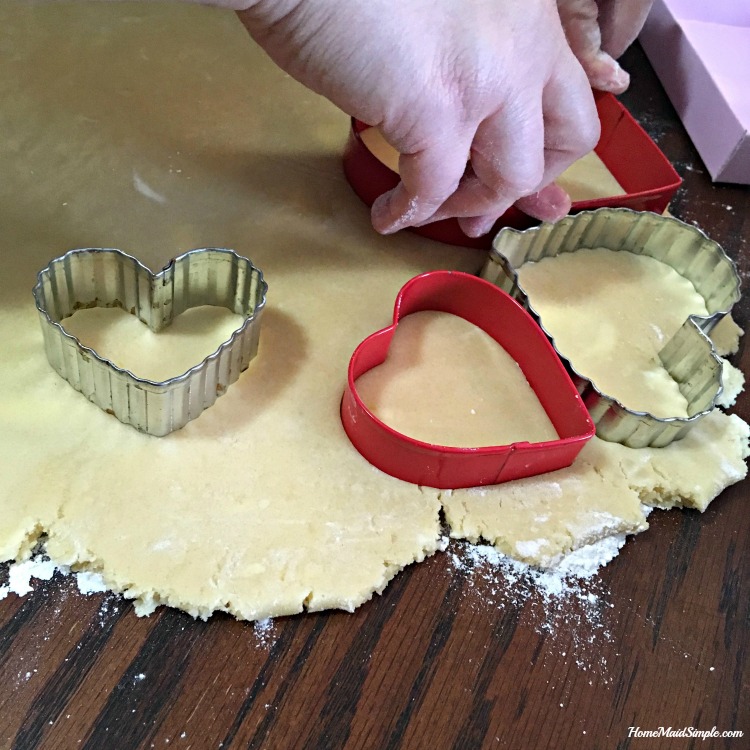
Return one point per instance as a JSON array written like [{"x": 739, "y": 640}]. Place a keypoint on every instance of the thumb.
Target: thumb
[
  {"x": 580, "y": 20},
  {"x": 620, "y": 22}
]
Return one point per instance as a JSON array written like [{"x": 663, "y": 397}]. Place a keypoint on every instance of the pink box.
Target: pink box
[{"x": 701, "y": 52}]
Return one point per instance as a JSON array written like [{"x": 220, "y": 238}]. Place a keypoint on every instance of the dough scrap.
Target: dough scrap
[
  {"x": 733, "y": 383},
  {"x": 154, "y": 141},
  {"x": 541, "y": 519},
  {"x": 726, "y": 336},
  {"x": 689, "y": 473}
]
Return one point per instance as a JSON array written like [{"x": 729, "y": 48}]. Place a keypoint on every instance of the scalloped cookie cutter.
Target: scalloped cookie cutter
[
  {"x": 689, "y": 356},
  {"x": 447, "y": 467},
  {"x": 107, "y": 277}
]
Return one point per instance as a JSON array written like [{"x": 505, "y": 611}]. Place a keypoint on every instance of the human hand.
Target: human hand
[
  {"x": 598, "y": 32},
  {"x": 483, "y": 98}
]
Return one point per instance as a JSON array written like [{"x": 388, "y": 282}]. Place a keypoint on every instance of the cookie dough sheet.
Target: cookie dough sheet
[
  {"x": 155, "y": 130},
  {"x": 160, "y": 128}
]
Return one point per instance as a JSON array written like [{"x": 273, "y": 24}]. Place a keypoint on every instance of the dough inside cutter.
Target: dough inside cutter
[
  {"x": 448, "y": 382},
  {"x": 124, "y": 340},
  {"x": 610, "y": 313}
]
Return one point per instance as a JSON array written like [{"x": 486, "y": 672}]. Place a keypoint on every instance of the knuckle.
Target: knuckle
[
  {"x": 588, "y": 134},
  {"x": 584, "y": 128},
  {"x": 522, "y": 179},
  {"x": 514, "y": 177}
]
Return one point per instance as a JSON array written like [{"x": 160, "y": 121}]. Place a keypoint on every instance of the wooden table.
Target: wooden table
[{"x": 443, "y": 658}]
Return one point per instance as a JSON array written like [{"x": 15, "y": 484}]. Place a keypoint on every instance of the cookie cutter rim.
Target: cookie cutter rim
[
  {"x": 451, "y": 467},
  {"x": 109, "y": 277},
  {"x": 688, "y": 354}
]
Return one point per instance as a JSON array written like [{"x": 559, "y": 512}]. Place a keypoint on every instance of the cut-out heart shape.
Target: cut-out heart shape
[
  {"x": 449, "y": 467},
  {"x": 121, "y": 338},
  {"x": 107, "y": 277}
]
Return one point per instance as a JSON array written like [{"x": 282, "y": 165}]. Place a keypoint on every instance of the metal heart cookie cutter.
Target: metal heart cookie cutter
[
  {"x": 447, "y": 467},
  {"x": 106, "y": 277},
  {"x": 689, "y": 356}
]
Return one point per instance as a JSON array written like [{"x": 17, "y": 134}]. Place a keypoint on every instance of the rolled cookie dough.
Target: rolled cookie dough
[
  {"x": 155, "y": 141},
  {"x": 123, "y": 340},
  {"x": 541, "y": 519}
]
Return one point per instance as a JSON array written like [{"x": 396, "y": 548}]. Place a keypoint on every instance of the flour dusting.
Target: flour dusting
[
  {"x": 90, "y": 583},
  {"x": 265, "y": 632},
  {"x": 140, "y": 185},
  {"x": 21, "y": 573},
  {"x": 568, "y": 603},
  {"x": 20, "y": 578}
]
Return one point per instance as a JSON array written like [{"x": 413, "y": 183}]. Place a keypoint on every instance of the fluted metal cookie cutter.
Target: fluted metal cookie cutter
[
  {"x": 689, "y": 356},
  {"x": 107, "y": 277}
]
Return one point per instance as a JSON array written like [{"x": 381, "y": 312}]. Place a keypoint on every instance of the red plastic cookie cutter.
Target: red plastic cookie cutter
[
  {"x": 636, "y": 162},
  {"x": 445, "y": 467}
]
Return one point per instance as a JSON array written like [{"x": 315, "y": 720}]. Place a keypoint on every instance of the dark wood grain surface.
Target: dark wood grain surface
[{"x": 446, "y": 657}]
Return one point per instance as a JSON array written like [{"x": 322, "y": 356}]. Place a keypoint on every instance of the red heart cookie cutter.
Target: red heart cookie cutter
[
  {"x": 488, "y": 307},
  {"x": 648, "y": 179}
]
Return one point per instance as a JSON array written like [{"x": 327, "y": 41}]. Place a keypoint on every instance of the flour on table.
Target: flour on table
[
  {"x": 568, "y": 604},
  {"x": 20, "y": 575}
]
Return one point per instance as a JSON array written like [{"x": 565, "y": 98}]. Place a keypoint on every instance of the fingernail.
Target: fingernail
[
  {"x": 559, "y": 205},
  {"x": 616, "y": 81},
  {"x": 476, "y": 226},
  {"x": 549, "y": 204},
  {"x": 387, "y": 218},
  {"x": 621, "y": 80},
  {"x": 380, "y": 214}
]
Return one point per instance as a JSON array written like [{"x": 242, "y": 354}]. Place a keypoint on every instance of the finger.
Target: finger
[
  {"x": 549, "y": 204},
  {"x": 568, "y": 129},
  {"x": 581, "y": 24},
  {"x": 571, "y": 121},
  {"x": 620, "y": 23},
  {"x": 477, "y": 226},
  {"x": 605, "y": 74},
  {"x": 428, "y": 178},
  {"x": 510, "y": 164},
  {"x": 571, "y": 130},
  {"x": 507, "y": 162}
]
